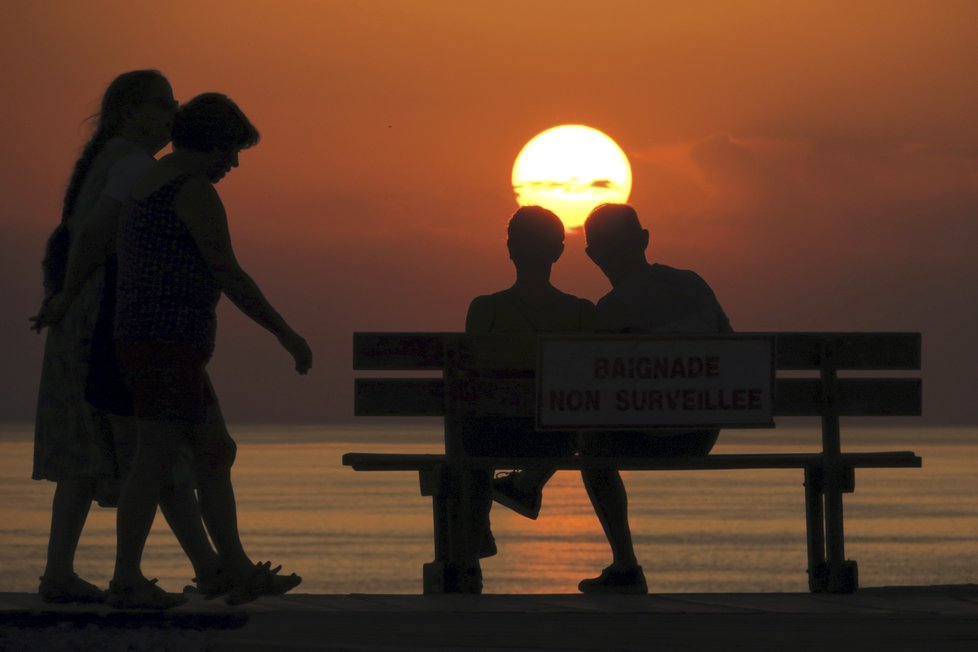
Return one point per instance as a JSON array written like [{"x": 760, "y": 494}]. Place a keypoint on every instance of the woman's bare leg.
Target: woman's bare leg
[
  {"x": 156, "y": 451},
  {"x": 178, "y": 503},
  {"x": 69, "y": 511}
]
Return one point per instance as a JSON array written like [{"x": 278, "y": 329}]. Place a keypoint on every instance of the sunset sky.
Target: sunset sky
[{"x": 815, "y": 162}]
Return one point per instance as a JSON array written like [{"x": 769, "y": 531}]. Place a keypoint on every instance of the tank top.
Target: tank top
[{"x": 165, "y": 289}]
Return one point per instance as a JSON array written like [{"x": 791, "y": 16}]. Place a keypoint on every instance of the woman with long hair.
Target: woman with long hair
[
  {"x": 73, "y": 443},
  {"x": 85, "y": 431}
]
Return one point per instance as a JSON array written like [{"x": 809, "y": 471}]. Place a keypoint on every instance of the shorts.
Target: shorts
[
  {"x": 632, "y": 443},
  {"x": 168, "y": 380}
]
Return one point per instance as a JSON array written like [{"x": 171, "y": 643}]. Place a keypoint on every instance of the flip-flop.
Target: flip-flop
[
  {"x": 145, "y": 595},
  {"x": 75, "y": 589},
  {"x": 211, "y": 586},
  {"x": 262, "y": 580}
]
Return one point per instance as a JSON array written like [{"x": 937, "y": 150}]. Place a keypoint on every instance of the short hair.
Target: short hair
[
  {"x": 610, "y": 226},
  {"x": 535, "y": 232},
  {"x": 212, "y": 121}
]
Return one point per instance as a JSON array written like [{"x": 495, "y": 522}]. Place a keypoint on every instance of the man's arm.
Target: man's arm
[{"x": 200, "y": 208}]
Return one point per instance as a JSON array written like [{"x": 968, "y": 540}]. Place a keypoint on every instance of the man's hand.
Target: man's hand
[{"x": 299, "y": 350}]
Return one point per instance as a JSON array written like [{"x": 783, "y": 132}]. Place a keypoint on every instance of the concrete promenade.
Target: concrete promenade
[{"x": 894, "y": 618}]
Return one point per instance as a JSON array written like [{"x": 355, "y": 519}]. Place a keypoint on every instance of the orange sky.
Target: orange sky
[{"x": 818, "y": 165}]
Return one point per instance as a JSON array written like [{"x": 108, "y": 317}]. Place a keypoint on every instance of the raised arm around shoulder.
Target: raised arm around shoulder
[{"x": 200, "y": 208}]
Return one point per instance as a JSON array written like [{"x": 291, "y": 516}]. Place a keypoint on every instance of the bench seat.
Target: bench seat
[{"x": 420, "y": 462}]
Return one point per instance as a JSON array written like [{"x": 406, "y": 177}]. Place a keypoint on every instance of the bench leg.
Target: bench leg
[
  {"x": 815, "y": 522},
  {"x": 435, "y": 483},
  {"x": 828, "y": 569},
  {"x": 843, "y": 573},
  {"x": 451, "y": 489}
]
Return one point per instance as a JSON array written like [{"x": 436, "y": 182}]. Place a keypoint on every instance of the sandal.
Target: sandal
[
  {"x": 211, "y": 586},
  {"x": 263, "y": 580},
  {"x": 145, "y": 595},
  {"x": 75, "y": 589}
]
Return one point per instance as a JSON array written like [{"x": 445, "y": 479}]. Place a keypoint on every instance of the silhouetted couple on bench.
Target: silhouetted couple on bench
[{"x": 645, "y": 298}]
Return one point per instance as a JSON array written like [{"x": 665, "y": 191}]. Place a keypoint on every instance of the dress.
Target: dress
[
  {"x": 165, "y": 320},
  {"x": 659, "y": 299},
  {"x": 72, "y": 438},
  {"x": 516, "y": 436}
]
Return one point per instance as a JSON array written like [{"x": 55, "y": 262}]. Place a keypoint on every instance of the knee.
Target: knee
[{"x": 216, "y": 456}]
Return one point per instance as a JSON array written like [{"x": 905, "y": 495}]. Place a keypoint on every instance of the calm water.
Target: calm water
[{"x": 348, "y": 532}]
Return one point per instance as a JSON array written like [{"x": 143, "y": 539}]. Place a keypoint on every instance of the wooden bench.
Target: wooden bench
[{"x": 494, "y": 375}]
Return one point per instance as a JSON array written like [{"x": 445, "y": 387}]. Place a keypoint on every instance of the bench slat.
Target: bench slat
[
  {"x": 795, "y": 351},
  {"x": 850, "y": 351},
  {"x": 416, "y": 462},
  {"x": 515, "y": 397}
]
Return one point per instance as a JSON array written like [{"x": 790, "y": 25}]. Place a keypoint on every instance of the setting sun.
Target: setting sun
[{"x": 570, "y": 169}]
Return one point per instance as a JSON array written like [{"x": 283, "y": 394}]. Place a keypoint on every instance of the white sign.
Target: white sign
[{"x": 602, "y": 381}]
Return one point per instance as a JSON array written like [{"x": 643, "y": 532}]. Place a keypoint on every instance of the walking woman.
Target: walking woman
[
  {"x": 73, "y": 442},
  {"x": 175, "y": 261}
]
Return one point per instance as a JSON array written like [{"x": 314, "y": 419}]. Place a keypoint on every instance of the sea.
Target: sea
[{"x": 371, "y": 532}]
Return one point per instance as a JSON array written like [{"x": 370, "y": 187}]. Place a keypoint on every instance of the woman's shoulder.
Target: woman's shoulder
[{"x": 479, "y": 318}]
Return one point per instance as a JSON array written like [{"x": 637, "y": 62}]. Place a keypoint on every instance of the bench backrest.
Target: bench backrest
[
  {"x": 493, "y": 375},
  {"x": 478, "y": 362}
]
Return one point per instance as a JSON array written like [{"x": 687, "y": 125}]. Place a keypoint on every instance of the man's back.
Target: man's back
[{"x": 661, "y": 299}]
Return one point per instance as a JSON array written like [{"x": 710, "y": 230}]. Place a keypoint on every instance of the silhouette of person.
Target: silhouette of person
[
  {"x": 93, "y": 251},
  {"x": 73, "y": 442},
  {"x": 531, "y": 305},
  {"x": 174, "y": 261},
  {"x": 645, "y": 298}
]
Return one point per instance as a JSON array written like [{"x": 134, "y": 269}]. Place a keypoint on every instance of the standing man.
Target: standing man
[{"x": 644, "y": 298}]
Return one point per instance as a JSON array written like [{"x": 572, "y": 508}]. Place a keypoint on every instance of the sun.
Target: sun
[{"x": 570, "y": 169}]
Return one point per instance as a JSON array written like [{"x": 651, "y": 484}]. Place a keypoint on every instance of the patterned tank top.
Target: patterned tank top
[{"x": 165, "y": 290}]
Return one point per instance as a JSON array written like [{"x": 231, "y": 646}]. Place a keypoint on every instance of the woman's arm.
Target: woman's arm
[
  {"x": 199, "y": 207},
  {"x": 93, "y": 239}
]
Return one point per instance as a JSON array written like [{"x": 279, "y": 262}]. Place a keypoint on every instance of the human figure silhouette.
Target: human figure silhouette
[
  {"x": 79, "y": 396},
  {"x": 175, "y": 260},
  {"x": 531, "y": 305},
  {"x": 645, "y": 298}
]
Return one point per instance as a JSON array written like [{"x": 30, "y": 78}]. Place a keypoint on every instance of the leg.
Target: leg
[
  {"x": 72, "y": 501},
  {"x": 607, "y": 493},
  {"x": 214, "y": 453},
  {"x": 182, "y": 513},
  {"x": 177, "y": 502},
  {"x": 69, "y": 511},
  {"x": 155, "y": 453},
  {"x": 610, "y": 501}
]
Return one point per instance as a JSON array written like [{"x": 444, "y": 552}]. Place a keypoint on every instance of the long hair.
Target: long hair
[{"x": 125, "y": 92}]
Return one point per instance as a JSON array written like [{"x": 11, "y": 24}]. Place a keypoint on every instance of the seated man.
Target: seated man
[{"x": 645, "y": 298}]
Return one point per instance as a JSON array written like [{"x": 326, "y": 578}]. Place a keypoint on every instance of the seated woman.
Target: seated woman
[
  {"x": 175, "y": 260},
  {"x": 532, "y": 305}
]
